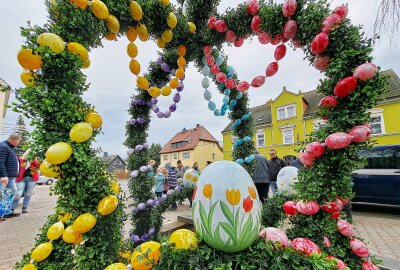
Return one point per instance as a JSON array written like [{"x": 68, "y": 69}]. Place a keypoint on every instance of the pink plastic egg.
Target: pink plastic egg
[
  {"x": 230, "y": 36},
  {"x": 315, "y": 150},
  {"x": 326, "y": 242},
  {"x": 342, "y": 11},
  {"x": 220, "y": 77},
  {"x": 290, "y": 208},
  {"x": 243, "y": 86},
  {"x": 252, "y": 7},
  {"x": 214, "y": 69},
  {"x": 365, "y": 71},
  {"x": 309, "y": 208},
  {"x": 256, "y": 24},
  {"x": 306, "y": 159},
  {"x": 333, "y": 206},
  {"x": 274, "y": 235},
  {"x": 367, "y": 265},
  {"x": 289, "y": 7},
  {"x": 320, "y": 43},
  {"x": 239, "y": 42},
  {"x": 220, "y": 26},
  {"x": 272, "y": 69},
  {"x": 264, "y": 37},
  {"x": 305, "y": 245},
  {"x": 276, "y": 39},
  {"x": 258, "y": 81},
  {"x": 207, "y": 49},
  {"x": 280, "y": 52},
  {"x": 360, "y": 133},
  {"x": 340, "y": 264},
  {"x": 230, "y": 83},
  {"x": 345, "y": 87},
  {"x": 338, "y": 140},
  {"x": 296, "y": 43},
  {"x": 290, "y": 29},
  {"x": 210, "y": 60},
  {"x": 211, "y": 22},
  {"x": 321, "y": 62},
  {"x": 344, "y": 227},
  {"x": 359, "y": 248},
  {"x": 328, "y": 101},
  {"x": 331, "y": 21}
]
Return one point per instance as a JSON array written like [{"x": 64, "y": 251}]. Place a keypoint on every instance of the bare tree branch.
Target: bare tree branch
[{"x": 387, "y": 20}]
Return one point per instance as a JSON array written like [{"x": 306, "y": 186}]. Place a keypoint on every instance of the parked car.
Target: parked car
[
  {"x": 45, "y": 180},
  {"x": 379, "y": 181}
]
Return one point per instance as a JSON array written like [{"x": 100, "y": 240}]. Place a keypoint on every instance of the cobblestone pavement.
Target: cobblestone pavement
[{"x": 381, "y": 229}]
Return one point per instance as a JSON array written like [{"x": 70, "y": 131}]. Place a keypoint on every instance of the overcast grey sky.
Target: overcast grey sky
[{"x": 112, "y": 84}]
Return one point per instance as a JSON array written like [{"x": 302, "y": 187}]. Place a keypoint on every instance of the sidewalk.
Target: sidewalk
[{"x": 380, "y": 230}]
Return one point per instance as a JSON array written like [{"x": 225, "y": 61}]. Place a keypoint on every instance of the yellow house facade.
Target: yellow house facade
[
  {"x": 190, "y": 146},
  {"x": 284, "y": 123},
  {"x": 4, "y": 97}
]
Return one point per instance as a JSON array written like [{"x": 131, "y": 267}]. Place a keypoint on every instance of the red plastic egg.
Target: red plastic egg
[
  {"x": 230, "y": 36},
  {"x": 258, "y": 81},
  {"x": 256, "y": 24},
  {"x": 345, "y": 87},
  {"x": 360, "y": 133},
  {"x": 344, "y": 227},
  {"x": 340, "y": 264},
  {"x": 220, "y": 77},
  {"x": 335, "y": 215},
  {"x": 252, "y": 7},
  {"x": 290, "y": 208},
  {"x": 321, "y": 62},
  {"x": 342, "y": 11},
  {"x": 220, "y": 26},
  {"x": 207, "y": 49},
  {"x": 344, "y": 200},
  {"x": 264, "y": 38},
  {"x": 309, "y": 208},
  {"x": 331, "y": 21},
  {"x": 230, "y": 83},
  {"x": 333, "y": 206},
  {"x": 210, "y": 60},
  {"x": 211, "y": 22},
  {"x": 328, "y": 101},
  {"x": 367, "y": 265},
  {"x": 239, "y": 42},
  {"x": 283, "y": 38},
  {"x": 365, "y": 71},
  {"x": 320, "y": 43},
  {"x": 276, "y": 39},
  {"x": 296, "y": 43},
  {"x": 326, "y": 242},
  {"x": 338, "y": 140},
  {"x": 305, "y": 245},
  {"x": 275, "y": 235},
  {"x": 290, "y": 29},
  {"x": 243, "y": 86},
  {"x": 214, "y": 69},
  {"x": 289, "y": 7},
  {"x": 306, "y": 159},
  {"x": 359, "y": 248},
  {"x": 280, "y": 52},
  {"x": 272, "y": 69}
]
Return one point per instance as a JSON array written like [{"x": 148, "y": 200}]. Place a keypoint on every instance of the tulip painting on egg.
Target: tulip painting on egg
[{"x": 226, "y": 207}]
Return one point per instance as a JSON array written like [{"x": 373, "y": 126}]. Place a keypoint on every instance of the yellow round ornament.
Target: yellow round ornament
[
  {"x": 166, "y": 90},
  {"x": 132, "y": 50},
  {"x": 107, "y": 205},
  {"x": 76, "y": 48},
  {"x": 81, "y": 132},
  {"x": 94, "y": 119},
  {"x": 180, "y": 72},
  {"x": 28, "y": 60},
  {"x": 192, "y": 27},
  {"x": 54, "y": 42},
  {"x": 167, "y": 36},
  {"x": 84, "y": 223},
  {"x": 71, "y": 236},
  {"x": 184, "y": 239},
  {"x": 174, "y": 83},
  {"x": 80, "y": 3},
  {"x": 115, "y": 187},
  {"x": 55, "y": 231},
  {"x": 99, "y": 9},
  {"x": 142, "y": 83},
  {"x": 161, "y": 43},
  {"x": 142, "y": 32},
  {"x": 172, "y": 20},
  {"x": 131, "y": 34},
  {"x": 154, "y": 91},
  {"x": 134, "y": 66},
  {"x": 58, "y": 153},
  {"x": 65, "y": 217},
  {"x": 165, "y": 2},
  {"x": 116, "y": 266},
  {"x": 29, "y": 267},
  {"x": 136, "y": 11},
  {"x": 113, "y": 24},
  {"x": 181, "y": 61},
  {"x": 28, "y": 78},
  {"x": 41, "y": 252},
  {"x": 153, "y": 254}
]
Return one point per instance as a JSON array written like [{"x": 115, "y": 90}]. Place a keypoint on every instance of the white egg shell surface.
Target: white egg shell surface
[{"x": 286, "y": 179}]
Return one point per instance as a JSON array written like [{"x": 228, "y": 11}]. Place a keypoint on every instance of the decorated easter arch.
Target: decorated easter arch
[{"x": 56, "y": 84}]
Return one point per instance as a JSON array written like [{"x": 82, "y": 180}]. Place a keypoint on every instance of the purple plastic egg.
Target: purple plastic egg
[
  {"x": 176, "y": 98},
  {"x": 141, "y": 206}
]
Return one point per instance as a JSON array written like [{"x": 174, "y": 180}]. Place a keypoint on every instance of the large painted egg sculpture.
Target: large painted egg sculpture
[
  {"x": 286, "y": 179},
  {"x": 226, "y": 207},
  {"x": 190, "y": 177}
]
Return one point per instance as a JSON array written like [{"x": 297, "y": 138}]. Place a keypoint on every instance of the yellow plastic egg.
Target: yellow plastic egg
[
  {"x": 49, "y": 170},
  {"x": 181, "y": 50},
  {"x": 81, "y": 132},
  {"x": 107, "y": 205},
  {"x": 131, "y": 34},
  {"x": 174, "y": 83},
  {"x": 115, "y": 187},
  {"x": 166, "y": 90},
  {"x": 71, "y": 236},
  {"x": 113, "y": 24},
  {"x": 86, "y": 64},
  {"x": 184, "y": 239},
  {"x": 132, "y": 50},
  {"x": 161, "y": 43},
  {"x": 181, "y": 61},
  {"x": 165, "y": 2},
  {"x": 180, "y": 72},
  {"x": 28, "y": 60},
  {"x": 55, "y": 231},
  {"x": 80, "y": 3},
  {"x": 136, "y": 11},
  {"x": 111, "y": 36},
  {"x": 153, "y": 254},
  {"x": 54, "y": 42},
  {"x": 58, "y": 153},
  {"x": 142, "y": 32},
  {"x": 84, "y": 223},
  {"x": 154, "y": 91},
  {"x": 134, "y": 67},
  {"x": 29, "y": 267},
  {"x": 94, "y": 119},
  {"x": 28, "y": 78},
  {"x": 116, "y": 266},
  {"x": 41, "y": 252},
  {"x": 65, "y": 217},
  {"x": 125, "y": 254},
  {"x": 192, "y": 27},
  {"x": 172, "y": 20},
  {"x": 99, "y": 9},
  {"x": 76, "y": 48},
  {"x": 142, "y": 83},
  {"x": 167, "y": 36}
]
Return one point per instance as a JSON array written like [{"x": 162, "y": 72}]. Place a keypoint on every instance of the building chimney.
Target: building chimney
[
  {"x": 105, "y": 154},
  {"x": 184, "y": 130},
  {"x": 197, "y": 125}
]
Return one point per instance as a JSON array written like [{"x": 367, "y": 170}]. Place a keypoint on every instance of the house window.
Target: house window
[
  {"x": 186, "y": 155},
  {"x": 233, "y": 140},
  {"x": 319, "y": 124},
  {"x": 287, "y": 136},
  {"x": 165, "y": 157},
  {"x": 286, "y": 112},
  {"x": 377, "y": 124},
  {"x": 175, "y": 156},
  {"x": 213, "y": 156},
  {"x": 260, "y": 138},
  {"x": 120, "y": 163},
  {"x": 114, "y": 162}
]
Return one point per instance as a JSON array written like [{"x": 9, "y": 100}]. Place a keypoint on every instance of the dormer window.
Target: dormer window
[
  {"x": 286, "y": 112},
  {"x": 179, "y": 144}
]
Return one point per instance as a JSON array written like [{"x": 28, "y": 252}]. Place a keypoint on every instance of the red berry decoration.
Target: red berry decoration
[
  {"x": 360, "y": 133},
  {"x": 290, "y": 29},
  {"x": 321, "y": 62},
  {"x": 214, "y": 69},
  {"x": 345, "y": 87},
  {"x": 239, "y": 42},
  {"x": 297, "y": 43},
  {"x": 207, "y": 49},
  {"x": 367, "y": 265},
  {"x": 258, "y": 81},
  {"x": 315, "y": 150},
  {"x": 252, "y": 7},
  {"x": 359, "y": 248},
  {"x": 220, "y": 77},
  {"x": 256, "y": 24},
  {"x": 210, "y": 60},
  {"x": 344, "y": 227},
  {"x": 272, "y": 69},
  {"x": 333, "y": 206},
  {"x": 320, "y": 43},
  {"x": 328, "y": 101},
  {"x": 340, "y": 264},
  {"x": 309, "y": 208},
  {"x": 220, "y": 26},
  {"x": 306, "y": 159},
  {"x": 290, "y": 208},
  {"x": 264, "y": 38},
  {"x": 211, "y": 22},
  {"x": 330, "y": 22},
  {"x": 280, "y": 52},
  {"x": 276, "y": 39},
  {"x": 365, "y": 71},
  {"x": 342, "y": 11},
  {"x": 289, "y": 7},
  {"x": 243, "y": 86},
  {"x": 305, "y": 246},
  {"x": 230, "y": 83},
  {"x": 230, "y": 36},
  {"x": 338, "y": 140}
]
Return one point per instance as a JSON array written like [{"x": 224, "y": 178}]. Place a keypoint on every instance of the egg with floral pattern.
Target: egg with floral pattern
[
  {"x": 190, "y": 177},
  {"x": 226, "y": 207}
]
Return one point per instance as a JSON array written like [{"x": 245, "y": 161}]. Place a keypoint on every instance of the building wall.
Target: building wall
[
  {"x": 116, "y": 164},
  {"x": 174, "y": 157},
  {"x": 205, "y": 151},
  {"x": 391, "y": 123}
]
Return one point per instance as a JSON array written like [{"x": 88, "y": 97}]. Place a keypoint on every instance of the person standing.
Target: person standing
[
  {"x": 159, "y": 180},
  {"x": 275, "y": 164},
  {"x": 261, "y": 176},
  {"x": 208, "y": 163},
  {"x": 180, "y": 171},
  {"x": 196, "y": 167},
  {"x": 297, "y": 164},
  {"x": 26, "y": 181},
  {"x": 9, "y": 165},
  {"x": 172, "y": 181}
]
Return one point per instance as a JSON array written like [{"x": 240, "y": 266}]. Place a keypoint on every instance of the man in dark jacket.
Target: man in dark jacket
[
  {"x": 275, "y": 165},
  {"x": 9, "y": 165},
  {"x": 261, "y": 176}
]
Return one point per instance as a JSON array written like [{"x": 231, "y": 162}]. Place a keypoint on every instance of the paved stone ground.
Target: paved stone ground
[{"x": 380, "y": 228}]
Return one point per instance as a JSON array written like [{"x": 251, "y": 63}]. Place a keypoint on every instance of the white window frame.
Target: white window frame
[
  {"x": 377, "y": 113},
  {"x": 186, "y": 155},
  {"x": 319, "y": 123},
  {"x": 165, "y": 157},
  {"x": 286, "y": 111},
  {"x": 284, "y": 130},
  {"x": 260, "y": 132},
  {"x": 175, "y": 156}
]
